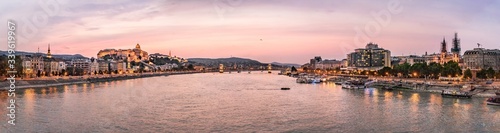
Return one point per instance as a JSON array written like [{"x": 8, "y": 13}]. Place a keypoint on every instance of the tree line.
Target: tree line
[{"x": 434, "y": 70}]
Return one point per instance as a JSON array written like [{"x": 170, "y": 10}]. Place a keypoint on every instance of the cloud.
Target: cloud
[{"x": 298, "y": 28}]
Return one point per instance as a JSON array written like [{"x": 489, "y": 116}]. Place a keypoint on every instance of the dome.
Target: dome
[{"x": 138, "y": 46}]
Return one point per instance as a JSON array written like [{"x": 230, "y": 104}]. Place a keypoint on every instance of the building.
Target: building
[
  {"x": 135, "y": 54},
  {"x": 38, "y": 65},
  {"x": 94, "y": 66},
  {"x": 314, "y": 61},
  {"x": 444, "y": 56},
  {"x": 480, "y": 58},
  {"x": 411, "y": 59},
  {"x": 369, "y": 58},
  {"x": 121, "y": 66},
  {"x": 104, "y": 66},
  {"x": 329, "y": 64},
  {"x": 83, "y": 64}
]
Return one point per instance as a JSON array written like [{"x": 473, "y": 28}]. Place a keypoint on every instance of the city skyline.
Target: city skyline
[{"x": 268, "y": 31}]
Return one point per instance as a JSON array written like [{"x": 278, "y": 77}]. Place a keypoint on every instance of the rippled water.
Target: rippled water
[{"x": 240, "y": 103}]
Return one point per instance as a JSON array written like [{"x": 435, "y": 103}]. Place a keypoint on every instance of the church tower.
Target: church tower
[
  {"x": 442, "y": 59},
  {"x": 138, "y": 46},
  {"x": 49, "y": 55},
  {"x": 455, "y": 50}
]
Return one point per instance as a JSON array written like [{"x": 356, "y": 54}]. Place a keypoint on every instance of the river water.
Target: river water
[{"x": 213, "y": 102}]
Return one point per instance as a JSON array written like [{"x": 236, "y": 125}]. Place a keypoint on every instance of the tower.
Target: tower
[
  {"x": 443, "y": 46},
  {"x": 170, "y": 53},
  {"x": 455, "y": 50},
  {"x": 442, "y": 59},
  {"x": 49, "y": 55},
  {"x": 456, "y": 44}
]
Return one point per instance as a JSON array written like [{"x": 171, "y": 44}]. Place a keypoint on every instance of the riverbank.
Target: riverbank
[
  {"x": 477, "y": 90},
  {"x": 58, "y": 81}
]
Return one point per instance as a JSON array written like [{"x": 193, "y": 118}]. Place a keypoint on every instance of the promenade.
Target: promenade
[{"x": 66, "y": 80}]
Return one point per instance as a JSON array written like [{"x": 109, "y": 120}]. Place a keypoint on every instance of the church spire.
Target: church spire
[
  {"x": 49, "y": 55},
  {"x": 456, "y": 44},
  {"x": 170, "y": 53},
  {"x": 443, "y": 46}
]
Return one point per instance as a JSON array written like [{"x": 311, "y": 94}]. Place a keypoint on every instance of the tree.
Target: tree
[
  {"x": 481, "y": 74},
  {"x": 403, "y": 69},
  {"x": 468, "y": 74},
  {"x": 18, "y": 65},
  {"x": 451, "y": 68},
  {"x": 385, "y": 71},
  {"x": 434, "y": 69},
  {"x": 294, "y": 69},
  {"x": 419, "y": 69},
  {"x": 38, "y": 73},
  {"x": 63, "y": 72},
  {"x": 490, "y": 73},
  {"x": 497, "y": 75},
  {"x": 3, "y": 65},
  {"x": 190, "y": 67}
]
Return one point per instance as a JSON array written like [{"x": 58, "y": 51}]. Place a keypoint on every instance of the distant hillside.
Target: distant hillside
[
  {"x": 226, "y": 61},
  {"x": 60, "y": 56},
  {"x": 286, "y": 64},
  {"x": 230, "y": 62}
]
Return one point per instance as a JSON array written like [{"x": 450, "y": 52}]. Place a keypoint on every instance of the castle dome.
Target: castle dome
[{"x": 138, "y": 46}]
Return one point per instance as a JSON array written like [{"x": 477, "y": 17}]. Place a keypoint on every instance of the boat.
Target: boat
[
  {"x": 301, "y": 80},
  {"x": 388, "y": 88},
  {"x": 493, "y": 101},
  {"x": 456, "y": 94},
  {"x": 285, "y": 88},
  {"x": 352, "y": 85},
  {"x": 338, "y": 83},
  {"x": 346, "y": 85}
]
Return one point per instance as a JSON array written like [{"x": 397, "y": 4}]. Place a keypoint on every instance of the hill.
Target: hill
[{"x": 60, "y": 56}]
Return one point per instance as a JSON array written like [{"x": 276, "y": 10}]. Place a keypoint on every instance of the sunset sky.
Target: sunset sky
[{"x": 288, "y": 31}]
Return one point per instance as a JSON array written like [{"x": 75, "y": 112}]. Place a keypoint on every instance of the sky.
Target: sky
[{"x": 287, "y": 31}]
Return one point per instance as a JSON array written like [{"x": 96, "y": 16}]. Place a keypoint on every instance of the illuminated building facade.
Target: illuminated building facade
[{"x": 371, "y": 58}]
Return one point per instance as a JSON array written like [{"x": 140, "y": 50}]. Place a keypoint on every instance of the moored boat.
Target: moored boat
[
  {"x": 493, "y": 101},
  {"x": 456, "y": 94}
]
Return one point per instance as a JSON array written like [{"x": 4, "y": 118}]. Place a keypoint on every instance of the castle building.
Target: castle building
[{"x": 135, "y": 54}]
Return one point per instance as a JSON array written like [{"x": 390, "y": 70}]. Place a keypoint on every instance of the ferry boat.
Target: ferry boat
[
  {"x": 308, "y": 79},
  {"x": 456, "y": 94},
  {"x": 493, "y": 101},
  {"x": 353, "y": 85}
]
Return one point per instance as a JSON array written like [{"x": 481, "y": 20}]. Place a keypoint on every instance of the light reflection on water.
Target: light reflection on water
[{"x": 241, "y": 103}]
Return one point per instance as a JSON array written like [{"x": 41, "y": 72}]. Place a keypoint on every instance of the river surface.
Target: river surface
[{"x": 213, "y": 102}]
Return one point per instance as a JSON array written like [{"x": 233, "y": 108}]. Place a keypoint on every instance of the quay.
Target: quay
[{"x": 58, "y": 81}]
